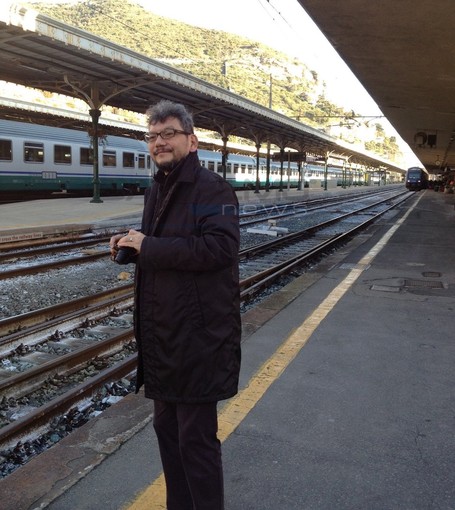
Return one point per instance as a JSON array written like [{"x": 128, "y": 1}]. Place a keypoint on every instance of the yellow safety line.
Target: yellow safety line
[{"x": 154, "y": 497}]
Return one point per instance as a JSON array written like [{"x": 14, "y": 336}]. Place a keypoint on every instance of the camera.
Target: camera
[{"x": 125, "y": 255}]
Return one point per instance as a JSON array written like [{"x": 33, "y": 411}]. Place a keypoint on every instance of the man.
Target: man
[{"x": 187, "y": 314}]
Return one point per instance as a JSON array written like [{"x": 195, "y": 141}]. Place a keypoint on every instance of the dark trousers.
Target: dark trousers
[{"x": 191, "y": 455}]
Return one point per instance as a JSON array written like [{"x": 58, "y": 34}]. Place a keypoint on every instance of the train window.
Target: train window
[
  {"x": 128, "y": 160},
  {"x": 62, "y": 154},
  {"x": 6, "y": 151},
  {"x": 141, "y": 161},
  {"x": 109, "y": 158},
  {"x": 211, "y": 165},
  {"x": 86, "y": 156},
  {"x": 34, "y": 152}
]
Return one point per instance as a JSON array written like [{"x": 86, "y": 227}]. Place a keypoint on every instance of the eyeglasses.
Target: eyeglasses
[{"x": 165, "y": 134}]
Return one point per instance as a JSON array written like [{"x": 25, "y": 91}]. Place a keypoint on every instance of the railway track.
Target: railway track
[
  {"x": 259, "y": 270},
  {"x": 261, "y": 265},
  {"x": 253, "y": 214},
  {"x": 38, "y": 325},
  {"x": 46, "y": 248},
  {"x": 23, "y": 256}
]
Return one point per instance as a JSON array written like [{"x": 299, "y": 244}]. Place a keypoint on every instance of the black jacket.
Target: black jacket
[{"x": 187, "y": 315}]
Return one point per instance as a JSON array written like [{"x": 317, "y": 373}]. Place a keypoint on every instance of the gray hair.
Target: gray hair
[{"x": 165, "y": 109}]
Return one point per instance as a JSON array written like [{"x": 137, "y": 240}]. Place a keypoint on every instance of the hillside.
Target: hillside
[{"x": 245, "y": 67}]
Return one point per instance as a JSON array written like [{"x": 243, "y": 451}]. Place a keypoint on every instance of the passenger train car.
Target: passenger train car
[
  {"x": 416, "y": 179},
  {"x": 37, "y": 159},
  {"x": 241, "y": 170}
]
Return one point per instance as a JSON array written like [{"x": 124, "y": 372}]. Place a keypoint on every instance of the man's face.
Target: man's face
[{"x": 169, "y": 151}]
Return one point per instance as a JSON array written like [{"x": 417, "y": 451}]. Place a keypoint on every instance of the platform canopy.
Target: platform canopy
[
  {"x": 41, "y": 52},
  {"x": 403, "y": 52}
]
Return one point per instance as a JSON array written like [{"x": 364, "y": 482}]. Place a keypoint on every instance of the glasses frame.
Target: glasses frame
[{"x": 171, "y": 133}]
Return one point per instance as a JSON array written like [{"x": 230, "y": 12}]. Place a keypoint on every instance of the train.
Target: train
[
  {"x": 416, "y": 178},
  {"x": 38, "y": 160}
]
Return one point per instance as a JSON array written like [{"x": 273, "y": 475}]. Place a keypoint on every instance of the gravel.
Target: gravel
[{"x": 28, "y": 293}]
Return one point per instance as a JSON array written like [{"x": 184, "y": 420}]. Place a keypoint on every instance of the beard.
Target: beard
[{"x": 168, "y": 166}]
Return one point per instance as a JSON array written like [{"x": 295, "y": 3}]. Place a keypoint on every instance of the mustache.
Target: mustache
[{"x": 161, "y": 150}]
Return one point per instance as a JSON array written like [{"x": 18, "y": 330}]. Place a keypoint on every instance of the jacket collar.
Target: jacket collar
[{"x": 183, "y": 172}]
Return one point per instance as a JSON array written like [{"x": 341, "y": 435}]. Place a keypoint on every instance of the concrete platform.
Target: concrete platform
[
  {"x": 347, "y": 392},
  {"x": 65, "y": 215}
]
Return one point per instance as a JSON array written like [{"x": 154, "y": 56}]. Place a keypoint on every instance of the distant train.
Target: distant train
[
  {"x": 416, "y": 179},
  {"x": 42, "y": 159}
]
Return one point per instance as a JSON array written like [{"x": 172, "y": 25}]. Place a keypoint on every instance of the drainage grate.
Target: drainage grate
[
  {"x": 423, "y": 283},
  {"x": 432, "y": 274}
]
